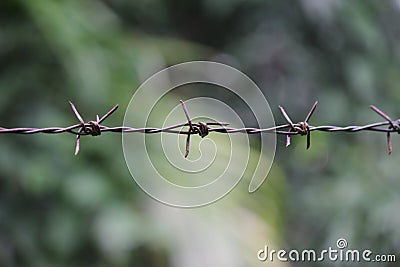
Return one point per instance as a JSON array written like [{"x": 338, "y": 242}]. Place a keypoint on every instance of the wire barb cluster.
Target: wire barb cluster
[
  {"x": 302, "y": 128},
  {"x": 92, "y": 127},
  {"x": 95, "y": 127}
]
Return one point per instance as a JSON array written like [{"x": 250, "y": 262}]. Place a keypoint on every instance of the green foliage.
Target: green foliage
[{"x": 60, "y": 210}]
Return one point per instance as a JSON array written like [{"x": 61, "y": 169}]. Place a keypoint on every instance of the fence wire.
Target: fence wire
[{"x": 95, "y": 128}]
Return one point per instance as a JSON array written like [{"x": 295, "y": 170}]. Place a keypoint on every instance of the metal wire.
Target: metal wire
[{"x": 95, "y": 128}]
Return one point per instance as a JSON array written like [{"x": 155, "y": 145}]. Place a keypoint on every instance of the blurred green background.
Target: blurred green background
[{"x": 61, "y": 210}]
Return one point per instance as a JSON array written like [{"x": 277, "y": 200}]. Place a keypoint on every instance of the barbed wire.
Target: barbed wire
[{"x": 95, "y": 128}]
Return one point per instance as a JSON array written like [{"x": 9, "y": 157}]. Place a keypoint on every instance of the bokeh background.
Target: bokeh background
[{"x": 61, "y": 210}]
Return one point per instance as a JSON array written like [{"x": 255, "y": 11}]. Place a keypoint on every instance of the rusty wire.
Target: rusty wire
[{"x": 95, "y": 128}]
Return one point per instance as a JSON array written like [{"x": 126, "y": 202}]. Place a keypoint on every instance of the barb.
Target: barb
[
  {"x": 191, "y": 130},
  {"x": 95, "y": 128},
  {"x": 301, "y": 128},
  {"x": 394, "y": 125},
  {"x": 92, "y": 127}
]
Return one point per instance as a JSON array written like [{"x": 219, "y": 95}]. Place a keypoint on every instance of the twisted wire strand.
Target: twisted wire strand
[
  {"x": 374, "y": 127},
  {"x": 95, "y": 128}
]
